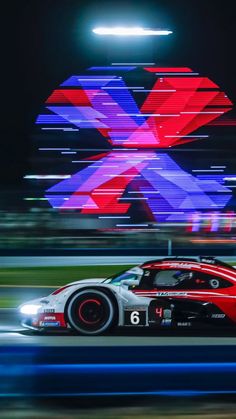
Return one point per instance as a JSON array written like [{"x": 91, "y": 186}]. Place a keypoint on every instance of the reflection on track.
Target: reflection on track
[{"x": 118, "y": 338}]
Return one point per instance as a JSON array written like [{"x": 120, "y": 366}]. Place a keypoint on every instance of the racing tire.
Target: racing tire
[{"x": 91, "y": 312}]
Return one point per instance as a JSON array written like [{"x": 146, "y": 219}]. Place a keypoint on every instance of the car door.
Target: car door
[
  {"x": 163, "y": 286},
  {"x": 192, "y": 295}
]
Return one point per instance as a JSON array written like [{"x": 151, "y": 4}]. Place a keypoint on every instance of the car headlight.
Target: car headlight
[{"x": 30, "y": 308}]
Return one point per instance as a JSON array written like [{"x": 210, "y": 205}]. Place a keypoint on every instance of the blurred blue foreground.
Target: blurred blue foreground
[{"x": 115, "y": 371}]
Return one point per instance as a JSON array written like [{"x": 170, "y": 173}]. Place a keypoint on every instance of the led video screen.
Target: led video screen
[{"x": 136, "y": 146}]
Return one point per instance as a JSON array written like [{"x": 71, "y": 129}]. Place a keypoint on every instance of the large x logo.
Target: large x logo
[{"x": 170, "y": 112}]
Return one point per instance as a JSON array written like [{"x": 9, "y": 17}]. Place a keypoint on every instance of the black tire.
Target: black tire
[{"x": 91, "y": 312}]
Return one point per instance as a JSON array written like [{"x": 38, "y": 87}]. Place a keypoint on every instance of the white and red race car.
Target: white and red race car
[{"x": 176, "y": 292}]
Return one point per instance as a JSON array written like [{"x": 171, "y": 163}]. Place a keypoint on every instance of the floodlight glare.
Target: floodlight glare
[{"x": 121, "y": 31}]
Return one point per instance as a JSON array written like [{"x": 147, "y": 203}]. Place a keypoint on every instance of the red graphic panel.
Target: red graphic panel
[
  {"x": 168, "y": 69},
  {"x": 71, "y": 96}
]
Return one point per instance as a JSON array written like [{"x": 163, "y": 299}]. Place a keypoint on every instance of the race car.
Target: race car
[{"x": 169, "y": 292}]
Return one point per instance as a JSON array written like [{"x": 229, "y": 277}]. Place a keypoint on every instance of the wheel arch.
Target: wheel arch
[{"x": 106, "y": 291}]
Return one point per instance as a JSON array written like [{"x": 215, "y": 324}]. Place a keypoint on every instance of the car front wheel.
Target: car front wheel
[{"x": 91, "y": 312}]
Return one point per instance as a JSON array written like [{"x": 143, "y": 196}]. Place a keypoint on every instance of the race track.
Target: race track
[{"x": 11, "y": 333}]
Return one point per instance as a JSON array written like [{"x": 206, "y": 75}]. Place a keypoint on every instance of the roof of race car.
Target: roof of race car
[{"x": 209, "y": 260}]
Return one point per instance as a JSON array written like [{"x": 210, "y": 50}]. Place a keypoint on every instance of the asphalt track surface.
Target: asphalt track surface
[{"x": 12, "y": 333}]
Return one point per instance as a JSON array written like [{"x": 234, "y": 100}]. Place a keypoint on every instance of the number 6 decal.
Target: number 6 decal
[{"x": 134, "y": 317}]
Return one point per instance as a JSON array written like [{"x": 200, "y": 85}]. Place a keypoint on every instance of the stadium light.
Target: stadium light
[{"x": 122, "y": 31}]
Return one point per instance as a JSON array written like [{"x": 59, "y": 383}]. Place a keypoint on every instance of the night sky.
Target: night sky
[{"x": 46, "y": 41}]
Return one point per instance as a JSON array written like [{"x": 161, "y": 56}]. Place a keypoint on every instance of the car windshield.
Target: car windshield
[{"x": 130, "y": 274}]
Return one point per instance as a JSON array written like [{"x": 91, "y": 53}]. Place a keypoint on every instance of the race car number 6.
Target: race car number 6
[{"x": 134, "y": 317}]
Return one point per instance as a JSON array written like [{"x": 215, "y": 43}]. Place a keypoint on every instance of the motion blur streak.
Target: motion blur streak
[
  {"x": 67, "y": 371},
  {"x": 224, "y": 366}
]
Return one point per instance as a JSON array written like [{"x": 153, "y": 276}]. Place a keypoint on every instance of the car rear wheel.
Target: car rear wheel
[{"x": 91, "y": 312}]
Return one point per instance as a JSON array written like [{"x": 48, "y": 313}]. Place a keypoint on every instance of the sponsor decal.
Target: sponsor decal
[
  {"x": 184, "y": 324},
  {"x": 166, "y": 322},
  {"x": 167, "y": 313},
  {"x": 54, "y": 320},
  {"x": 215, "y": 283},
  {"x": 161, "y": 293},
  {"x": 183, "y": 265},
  {"x": 49, "y": 324},
  {"x": 170, "y": 293},
  {"x": 207, "y": 260},
  {"x": 128, "y": 308},
  {"x": 218, "y": 316},
  {"x": 50, "y": 318}
]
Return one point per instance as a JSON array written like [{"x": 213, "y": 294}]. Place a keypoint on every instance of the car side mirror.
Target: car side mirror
[{"x": 129, "y": 282}]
